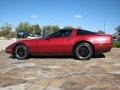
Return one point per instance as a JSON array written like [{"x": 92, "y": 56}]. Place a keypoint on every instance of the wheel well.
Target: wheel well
[
  {"x": 19, "y": 44},
  {"x": 84, "y": 42}
]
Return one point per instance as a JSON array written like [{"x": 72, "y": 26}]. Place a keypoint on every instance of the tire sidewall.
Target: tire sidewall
[
  {"x": 89, "y": 47},
  {"x": 26, "y": 52}
]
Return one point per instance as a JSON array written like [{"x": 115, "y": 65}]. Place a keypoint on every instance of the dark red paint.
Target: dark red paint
[{"x": 64, "y": 45}]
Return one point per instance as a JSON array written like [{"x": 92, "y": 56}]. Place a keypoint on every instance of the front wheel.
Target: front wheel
[
  {"x": 21, "y": 52},
  {"x": 83, "y": 51}
]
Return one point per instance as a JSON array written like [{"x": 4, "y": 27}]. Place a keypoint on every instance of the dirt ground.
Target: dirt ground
[
  {"x": 5, "y": 43},
  {"x": 61, "y": 73}
]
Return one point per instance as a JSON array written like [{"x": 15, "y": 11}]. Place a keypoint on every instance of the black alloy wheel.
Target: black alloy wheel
[
  {"x": 83, "y": 51},
  {"x": 21, "y": 52}
]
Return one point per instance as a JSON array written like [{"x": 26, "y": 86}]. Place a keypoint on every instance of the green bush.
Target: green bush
[{"x": 116, "y": 44}]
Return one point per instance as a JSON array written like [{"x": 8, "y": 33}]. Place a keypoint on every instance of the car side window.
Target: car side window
[
  {"x": 61, "y": 33},
  {"x": 84, "y": 32}
]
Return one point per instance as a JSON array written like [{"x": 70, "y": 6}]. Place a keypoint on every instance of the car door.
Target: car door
[{"x": 57, "y": 43}]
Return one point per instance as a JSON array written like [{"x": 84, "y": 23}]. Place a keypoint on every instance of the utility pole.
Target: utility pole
[
  {"x": 104, "y": 24},
  {"x": 33, "y": 30}
]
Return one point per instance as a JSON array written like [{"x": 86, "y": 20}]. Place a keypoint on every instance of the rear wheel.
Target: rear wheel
[
  {"x": 21, "y": 52},
  {"x": 83, "y": 51}
]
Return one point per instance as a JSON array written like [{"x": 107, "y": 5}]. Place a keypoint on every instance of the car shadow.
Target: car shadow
[
  {"x": 59, "y": 56},
  {"x": 53, "y": 56},
  {"x": 65, "y": 57},
  {"x": 99, "y": 56}
]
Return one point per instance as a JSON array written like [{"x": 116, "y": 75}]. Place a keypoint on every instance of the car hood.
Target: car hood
[{"x": 25, "y": 40}]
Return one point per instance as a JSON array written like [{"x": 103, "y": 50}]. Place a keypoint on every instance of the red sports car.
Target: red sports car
[{"x": 80, "y": 43}]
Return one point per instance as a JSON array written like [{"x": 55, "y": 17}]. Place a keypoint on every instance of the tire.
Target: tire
[
  {"x": 21, "y": 52},
  {"x": 83, "y": 51}
]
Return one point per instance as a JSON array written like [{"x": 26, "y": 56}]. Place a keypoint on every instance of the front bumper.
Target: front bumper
[{"x": 8, "y": 50}]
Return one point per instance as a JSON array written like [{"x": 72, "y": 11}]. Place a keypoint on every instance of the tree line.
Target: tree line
[{"x": 7, "y": 32}]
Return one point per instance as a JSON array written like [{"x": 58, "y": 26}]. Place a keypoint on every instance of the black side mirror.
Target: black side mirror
[{"x": 47, "y": 38}]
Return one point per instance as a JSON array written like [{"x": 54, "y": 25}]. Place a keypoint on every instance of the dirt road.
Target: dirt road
[{"x": 64, "y": 73}]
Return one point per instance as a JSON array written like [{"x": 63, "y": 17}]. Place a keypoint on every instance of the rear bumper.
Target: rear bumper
[{"x": 104, "y": 47}]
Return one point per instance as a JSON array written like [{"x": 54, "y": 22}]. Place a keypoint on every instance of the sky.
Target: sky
[{"x": 91, "y": 15}]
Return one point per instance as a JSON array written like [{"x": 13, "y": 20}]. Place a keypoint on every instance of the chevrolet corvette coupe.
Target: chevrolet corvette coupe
[{"x": 82, "y": 44}]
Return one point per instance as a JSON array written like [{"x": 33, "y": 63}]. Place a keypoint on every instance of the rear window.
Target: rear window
[{"x": 84, "y": 32}]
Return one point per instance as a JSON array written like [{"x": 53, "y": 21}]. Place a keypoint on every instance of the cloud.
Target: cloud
[
  {"x": 77, "y": 16},
  {"x": 34, "y": 16}
]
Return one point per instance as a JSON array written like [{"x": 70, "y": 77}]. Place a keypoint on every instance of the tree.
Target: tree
[
  {"x": 6, "y": 31},
  {"x": 55, "y": 28},
  {"x": 50, "y": 29},
  {"x": 37, "y": 29},
  {"x": 100, "y": 32},
  {"x": 11, "y": 35},
  {"x": 68, "y": 27},
  {"x": 116, "y": 35},
  {"x": 24, "y": 26},
  {"x": 31, "y": 29},
  {"x": 118, "y": 30}
]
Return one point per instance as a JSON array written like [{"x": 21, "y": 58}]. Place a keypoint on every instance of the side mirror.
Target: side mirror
[{"x": 47, "y": 38}]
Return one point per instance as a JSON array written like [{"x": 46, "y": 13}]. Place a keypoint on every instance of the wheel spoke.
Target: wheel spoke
[
  {"x": 83, "y": 51},
  {"x": 20, "y": 52}
]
